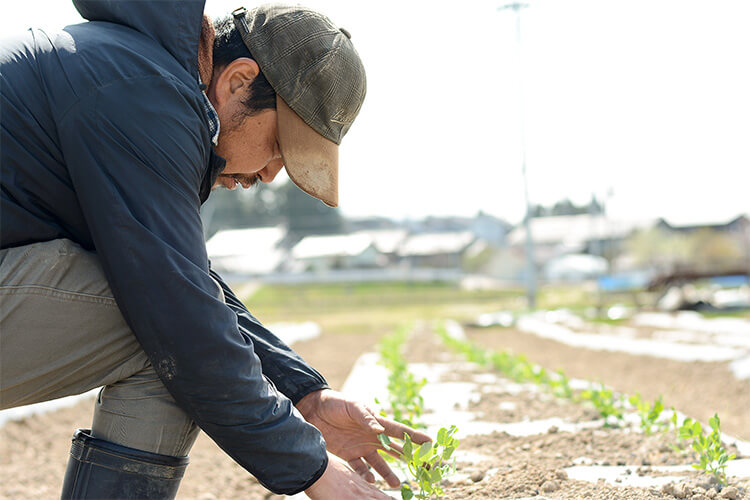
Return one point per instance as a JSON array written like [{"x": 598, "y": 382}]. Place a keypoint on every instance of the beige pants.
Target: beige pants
[{"x": 61, "y": 333}]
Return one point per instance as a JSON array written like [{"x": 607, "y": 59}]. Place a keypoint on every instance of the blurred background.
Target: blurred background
[
  {"x": 597, "y": 146},
  {"x": 628, "y": 119}
]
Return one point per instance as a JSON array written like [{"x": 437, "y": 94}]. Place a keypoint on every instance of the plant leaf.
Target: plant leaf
[
  {"x": 441, "y": 435},
  {"x": 406, "y": 493},
  {"x": 425, "y": 449},
  {"x": 407, "y": 448},
  {"x": 385, "y": 441}
]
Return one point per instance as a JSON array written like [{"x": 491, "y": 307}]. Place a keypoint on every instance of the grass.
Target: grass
[
  {"x": 608, "y": 321},
  {"x": 377, "y": 308},
  {"x": 356, "y": 295},
  {"x": 408, "y": 301},
  {"x": 739, "y": 313},
  {"x": 374, "y": 307}
]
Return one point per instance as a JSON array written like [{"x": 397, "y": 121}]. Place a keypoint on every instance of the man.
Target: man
[{"x": 109, "y": 147}]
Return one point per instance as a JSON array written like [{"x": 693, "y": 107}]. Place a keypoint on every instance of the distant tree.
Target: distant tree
[
  {"x": 657, "y": 248},
  {"x": 240, "y": 208},
  {"x": 270, "y": 205},
  {"x": 305, "y": 215},
  {"x": 564, "y": 207},
  {"x": 594, "y": 207},
  {"x": 705, "y": 249},
  {"x": 713, "y": 248},
  {"x": 567, "y": 207},
  {"x": 538, "y": 211}
]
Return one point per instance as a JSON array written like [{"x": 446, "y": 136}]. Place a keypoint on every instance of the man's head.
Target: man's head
[{"x": 286, "y": 85}]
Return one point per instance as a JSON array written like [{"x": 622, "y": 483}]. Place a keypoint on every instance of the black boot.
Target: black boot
[{"x": 98, "y": 469}]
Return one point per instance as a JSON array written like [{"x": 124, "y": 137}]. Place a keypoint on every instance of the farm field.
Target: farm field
[{"x": 506, "y": 463}]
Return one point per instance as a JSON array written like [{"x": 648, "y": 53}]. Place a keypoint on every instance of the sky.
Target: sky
[{"x": 644, "y": 104}]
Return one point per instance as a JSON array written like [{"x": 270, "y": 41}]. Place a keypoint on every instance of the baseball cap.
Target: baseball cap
[{"x": 320, "y": 85}]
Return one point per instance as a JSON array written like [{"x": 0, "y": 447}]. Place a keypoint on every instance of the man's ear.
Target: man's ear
[{"x": 234, "y": 79}]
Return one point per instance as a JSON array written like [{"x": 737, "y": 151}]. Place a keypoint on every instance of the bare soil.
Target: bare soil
[
  {"x": 532, "y": 466},
  {"x": 33, "y": 452}
]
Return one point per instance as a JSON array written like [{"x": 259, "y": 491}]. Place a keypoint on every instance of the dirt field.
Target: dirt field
[
  {"x": 533, "y": 466},
  {"x": 698, "y": 389},
  {"x": 33, "y": 452}
]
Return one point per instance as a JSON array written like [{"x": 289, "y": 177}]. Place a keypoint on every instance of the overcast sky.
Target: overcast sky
[{"x": 645, "y": 100}]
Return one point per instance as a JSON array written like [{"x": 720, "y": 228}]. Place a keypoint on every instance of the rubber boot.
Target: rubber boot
[{"x": 98, "y": 469}]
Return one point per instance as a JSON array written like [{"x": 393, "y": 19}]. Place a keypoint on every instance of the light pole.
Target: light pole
[{"x": 531, "y": 284}]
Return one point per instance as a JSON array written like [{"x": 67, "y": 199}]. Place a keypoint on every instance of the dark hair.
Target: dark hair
[{"x": 228, "y": 46}]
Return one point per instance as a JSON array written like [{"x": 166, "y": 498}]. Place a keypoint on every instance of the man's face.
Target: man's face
[
  {"x": 251, "y": 149},
  {"x": 249, "y": 144}
]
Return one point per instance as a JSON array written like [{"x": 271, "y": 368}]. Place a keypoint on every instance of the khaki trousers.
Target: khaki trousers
[{"x": 61, "y": 333}]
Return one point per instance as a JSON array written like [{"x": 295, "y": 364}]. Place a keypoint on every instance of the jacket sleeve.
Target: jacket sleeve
[
  {"x": 286, "y": 369},
  {"x": 136, "y": 150}
]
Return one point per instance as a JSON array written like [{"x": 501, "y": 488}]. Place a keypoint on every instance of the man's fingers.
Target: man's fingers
[
  {"x": 380, "y": 465},
  {"x": 366, "y": 416},
  {"x": 361, "y": 468},
  {"x": 396, "y": 447},
  {"x": 395, "y": 451},
  {"x": 397, "y": 430}
]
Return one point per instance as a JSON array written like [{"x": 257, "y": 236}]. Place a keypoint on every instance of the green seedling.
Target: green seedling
[
  {"x": 561, "y": 385},
  {"x": 605, "y": 403},
  {"x": 540, "y": 376},
  {"x": 673, "y": 418},
  {"x": 516, "y": 367},
  {"x": 648, "y": 413},
  {"x": 522, "y": 370},
  {"x": 428, "y": 464},
  {"x": 686, "y": 432},
  {"x": 712, "y": 455},
  {"x": 501, "y": 361},
  {"x": 406, "y": 402}
]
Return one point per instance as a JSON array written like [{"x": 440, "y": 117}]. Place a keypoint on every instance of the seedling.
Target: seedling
[
  {"x": 648, "y": 413},
  {"x": 712, "y": 455},
  {"x": 407, "y": 405},
  {"x": 428, "y": 464},
  {"x": 561, "y": 385},
  {"x": 605, "y": 403},
  {"x": 516, "y": 367}
]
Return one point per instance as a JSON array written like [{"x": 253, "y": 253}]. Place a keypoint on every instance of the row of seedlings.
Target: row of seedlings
[
  {"x": 426, "y": 464},
  {"x": 711, "y": 454}
]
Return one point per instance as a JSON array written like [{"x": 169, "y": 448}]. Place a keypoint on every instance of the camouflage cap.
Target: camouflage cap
[{"x": 320, "y": 85}]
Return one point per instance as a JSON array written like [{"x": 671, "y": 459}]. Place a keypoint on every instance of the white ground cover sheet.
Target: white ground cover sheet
[
  {"x": 288, "y": 332},
  {"x": 685, "y": 336},
  {"x": 447, "y": 403}
]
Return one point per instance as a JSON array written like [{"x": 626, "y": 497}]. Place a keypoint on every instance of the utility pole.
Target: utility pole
[{"x": 531, "y": 280}]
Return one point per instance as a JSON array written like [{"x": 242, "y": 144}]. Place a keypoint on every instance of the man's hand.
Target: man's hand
[
  {"x": 342, "y": 483},
  {"x": 351, "y": 432}
]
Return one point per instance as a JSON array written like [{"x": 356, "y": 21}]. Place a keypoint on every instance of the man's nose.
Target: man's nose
[{"x": 268, "y": 173}]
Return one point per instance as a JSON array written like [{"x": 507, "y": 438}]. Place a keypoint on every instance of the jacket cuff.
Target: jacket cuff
[
  {"x": 297, "y": 395},
  {"x": 312, "y": 480}
]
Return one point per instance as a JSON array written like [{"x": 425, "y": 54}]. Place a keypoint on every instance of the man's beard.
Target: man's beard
[{"x": 246, "y": 181}]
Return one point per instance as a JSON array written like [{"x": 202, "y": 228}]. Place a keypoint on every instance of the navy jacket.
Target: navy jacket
[{"x": 105, "y": 141}]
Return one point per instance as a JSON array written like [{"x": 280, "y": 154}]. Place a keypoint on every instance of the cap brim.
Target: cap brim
[{"x": 311, "y": 160}]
